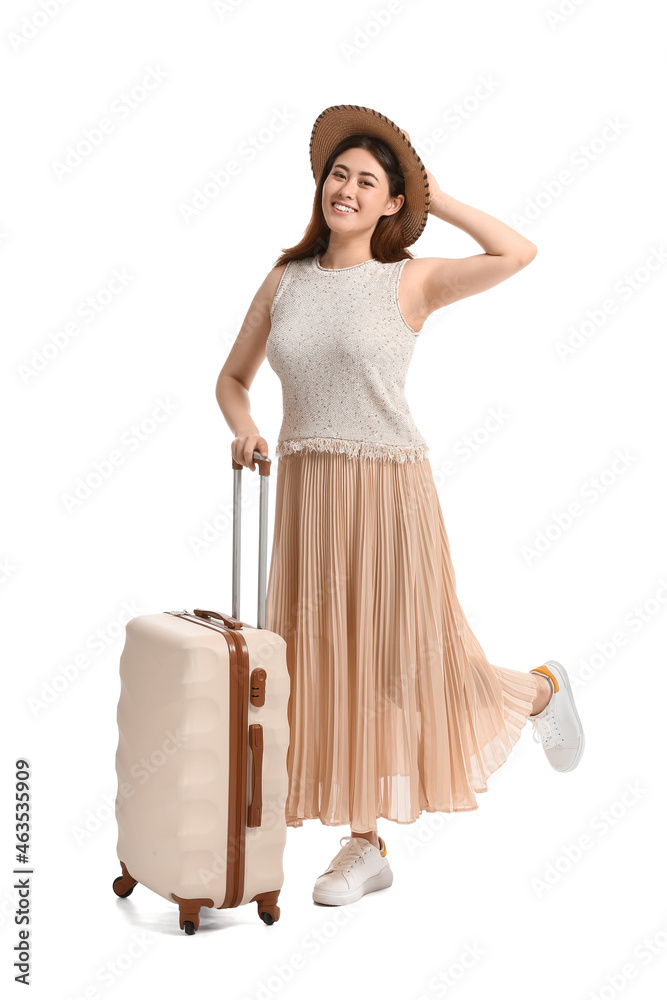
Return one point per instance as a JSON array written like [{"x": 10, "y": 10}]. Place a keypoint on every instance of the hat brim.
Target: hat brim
[{"x": 341, "y": 120}]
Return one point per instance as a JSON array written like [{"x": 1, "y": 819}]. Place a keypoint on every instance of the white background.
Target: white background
[{"x": 593, "y": 597}]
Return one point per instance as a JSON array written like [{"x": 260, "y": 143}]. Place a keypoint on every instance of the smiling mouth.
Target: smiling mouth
[{"x": 350, "y": 210}]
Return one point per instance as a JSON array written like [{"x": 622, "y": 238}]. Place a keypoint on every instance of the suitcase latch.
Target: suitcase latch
[{"x": 258, "y": 687}]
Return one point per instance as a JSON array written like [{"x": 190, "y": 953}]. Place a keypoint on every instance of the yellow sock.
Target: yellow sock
[{"x": 544, "y": 670}]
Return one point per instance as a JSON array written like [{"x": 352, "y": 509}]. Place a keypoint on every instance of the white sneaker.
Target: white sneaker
[
  {"x": 358, "y": 868},
  {"x": 558, "y": 726}
]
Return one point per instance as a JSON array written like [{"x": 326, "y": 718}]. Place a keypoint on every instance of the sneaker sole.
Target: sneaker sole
[
  {"x": 380, "y": 881},
  {"x": 561, "y": 673}
]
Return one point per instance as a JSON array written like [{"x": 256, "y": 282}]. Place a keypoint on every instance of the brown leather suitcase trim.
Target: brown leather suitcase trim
[
  {"x": 239, "y": 695},
  {"x": 239, "y": 670}
]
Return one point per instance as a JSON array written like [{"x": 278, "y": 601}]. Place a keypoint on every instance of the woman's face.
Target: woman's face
[{"x": 359, "y": 182}]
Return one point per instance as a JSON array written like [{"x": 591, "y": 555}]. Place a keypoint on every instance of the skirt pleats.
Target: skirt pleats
[{"x": 394, "y": 708}]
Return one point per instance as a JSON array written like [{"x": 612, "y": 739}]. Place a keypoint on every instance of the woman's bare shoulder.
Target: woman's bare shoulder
[
  {"x": 272, "y": 279},
  {"x": 263, "y": 297}
]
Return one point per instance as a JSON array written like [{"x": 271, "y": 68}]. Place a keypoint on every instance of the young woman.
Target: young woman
[{"x": 394, "y": 708}]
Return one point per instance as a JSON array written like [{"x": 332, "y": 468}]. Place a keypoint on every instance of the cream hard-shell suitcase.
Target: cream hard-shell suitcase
[{"x": 201, "y": 759}]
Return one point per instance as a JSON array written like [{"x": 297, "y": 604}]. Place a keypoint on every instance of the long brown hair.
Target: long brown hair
[{"x": 387, "y": 240}]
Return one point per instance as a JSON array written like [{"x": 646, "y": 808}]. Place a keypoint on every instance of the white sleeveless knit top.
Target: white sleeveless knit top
[{"x": 341, "y": 347}]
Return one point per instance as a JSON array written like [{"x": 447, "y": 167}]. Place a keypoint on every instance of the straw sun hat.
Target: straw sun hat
[{"x": 341, "y": 120}]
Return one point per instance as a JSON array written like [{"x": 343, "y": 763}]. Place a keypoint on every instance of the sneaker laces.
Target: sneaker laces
[
  {"x": 354, "y": 849},
  {"x": 546, "y": 731}
]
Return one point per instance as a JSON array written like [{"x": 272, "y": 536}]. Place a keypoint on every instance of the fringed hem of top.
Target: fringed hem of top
[{"x": 356, "y": 449}]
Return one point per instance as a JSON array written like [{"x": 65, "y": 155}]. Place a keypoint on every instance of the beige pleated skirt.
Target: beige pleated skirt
[{"x": 394, "y": 708}]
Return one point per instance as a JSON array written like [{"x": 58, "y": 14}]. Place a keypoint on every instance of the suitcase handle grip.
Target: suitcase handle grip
[
  {"x": 264, "y": 466},
  {"x": 256, "y": 740},
  {"x": 225, "y": 619}
]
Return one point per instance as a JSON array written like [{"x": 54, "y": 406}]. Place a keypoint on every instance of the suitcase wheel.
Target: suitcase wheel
[
  {"x": 124, "y": 884},
  {"x": 267, "y": 905},
  {"x": 189, "y": 927},
  {"x": 123, "y": 895}
]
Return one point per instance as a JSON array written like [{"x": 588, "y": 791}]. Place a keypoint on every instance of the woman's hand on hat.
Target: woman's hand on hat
[{"x": 434, "y": 189}]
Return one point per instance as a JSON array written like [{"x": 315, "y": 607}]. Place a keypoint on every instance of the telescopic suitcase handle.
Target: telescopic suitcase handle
[{"x": 264, "y": 466}]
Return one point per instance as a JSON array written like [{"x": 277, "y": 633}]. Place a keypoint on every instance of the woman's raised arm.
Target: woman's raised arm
[{"x": 434, "y": 282}]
